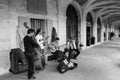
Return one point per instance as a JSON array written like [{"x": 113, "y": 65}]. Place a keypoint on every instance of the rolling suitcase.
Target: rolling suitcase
[{"x": 18, "y": 61}]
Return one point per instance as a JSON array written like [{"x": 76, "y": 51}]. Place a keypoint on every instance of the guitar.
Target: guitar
[{"x": 53, "y": 47}]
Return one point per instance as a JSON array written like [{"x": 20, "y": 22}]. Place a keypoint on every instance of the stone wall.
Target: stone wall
[{"x": 10, "y": 11}]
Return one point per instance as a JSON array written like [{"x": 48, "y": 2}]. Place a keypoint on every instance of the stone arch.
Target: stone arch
[
  {"x": 71, "y": 23},
  {"x": 76, "y": 6},
  {"x": 89, "y": 28},
  {"x": 89, "y": 17},
  {"x": 63, "y": 4}
]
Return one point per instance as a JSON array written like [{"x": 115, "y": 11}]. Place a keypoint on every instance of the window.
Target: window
[{"x": 38, "y": 23}]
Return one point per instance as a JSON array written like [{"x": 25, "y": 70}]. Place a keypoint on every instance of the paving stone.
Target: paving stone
[{"x": 100, "y": 62}]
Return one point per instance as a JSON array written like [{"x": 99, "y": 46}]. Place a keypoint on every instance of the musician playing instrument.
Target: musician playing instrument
[
  {"x": 41, "y": 41},
  {"x": 53, "y": 47},
  {"x": 71, "y": 47}
]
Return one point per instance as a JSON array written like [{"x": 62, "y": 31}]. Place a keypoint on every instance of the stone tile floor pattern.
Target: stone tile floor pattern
[{"x": 101, "y": 62}]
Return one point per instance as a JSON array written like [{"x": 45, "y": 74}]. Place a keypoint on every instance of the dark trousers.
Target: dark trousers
[
  {"x": 31, "y": 67},
  {"x": 54, "y": 55},
  {"x": 42, "y": 51},
  {"x": 73, "y": 53},
  {"x": 77, "y": 52}
]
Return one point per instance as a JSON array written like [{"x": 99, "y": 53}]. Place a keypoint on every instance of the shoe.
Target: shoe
[
  {"x": 71, "y": 68},
  {"x": 34, "y": 77},
  {"x": 29, "y": 78}
]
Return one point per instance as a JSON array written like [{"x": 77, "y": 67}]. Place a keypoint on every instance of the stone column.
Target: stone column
[
  {"x": 62, "y": 29},
  {"x": 95, "y": 31},
  {"x": 107, "y": 32},
  {"x": 79, "y": 31},
  {"x": 102, "y": 32},
  {"x": 83, "y": 32}
]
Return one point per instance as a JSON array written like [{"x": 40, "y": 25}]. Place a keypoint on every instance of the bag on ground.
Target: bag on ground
[
  {"x": 65, "y": 65},
  {"x": 62, "y": 66},
  {"x": 18, "y": 62}
]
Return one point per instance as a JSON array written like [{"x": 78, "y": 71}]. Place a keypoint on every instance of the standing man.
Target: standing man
[{"x": 30, "y": 52}]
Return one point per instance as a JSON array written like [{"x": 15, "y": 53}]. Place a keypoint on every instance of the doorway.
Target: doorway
[
  {"x": 89, "y": 30},
  {"x": 72, "y": 23}
]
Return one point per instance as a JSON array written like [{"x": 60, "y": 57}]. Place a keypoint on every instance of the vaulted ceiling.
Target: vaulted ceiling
[{"x": 107, "y": 9}]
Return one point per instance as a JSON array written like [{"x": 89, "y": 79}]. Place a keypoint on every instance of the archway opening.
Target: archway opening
[
  {"x": 98, "y": 30},
  {"x": 71, "y": 23},
  {"x": 89, "y": 29}
]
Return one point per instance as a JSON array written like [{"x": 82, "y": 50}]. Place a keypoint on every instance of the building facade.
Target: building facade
[{"x": 70, "y": 18}]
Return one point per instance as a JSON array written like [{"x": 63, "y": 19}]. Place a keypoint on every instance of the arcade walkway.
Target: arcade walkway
[{"x": 101, "y": 62}]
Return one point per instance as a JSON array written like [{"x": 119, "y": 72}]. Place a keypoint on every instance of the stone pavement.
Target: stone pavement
[{"x": 100, "y": 62}]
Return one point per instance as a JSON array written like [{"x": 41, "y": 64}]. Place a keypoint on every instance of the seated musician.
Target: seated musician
[
  {"x": 54, "y": 49},
  {"x": 71, "y": 47},
  {"x": 53, "y": 46}
]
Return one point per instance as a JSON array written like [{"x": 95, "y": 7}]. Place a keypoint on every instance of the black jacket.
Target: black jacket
[{"x": 30, "y": 44}]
